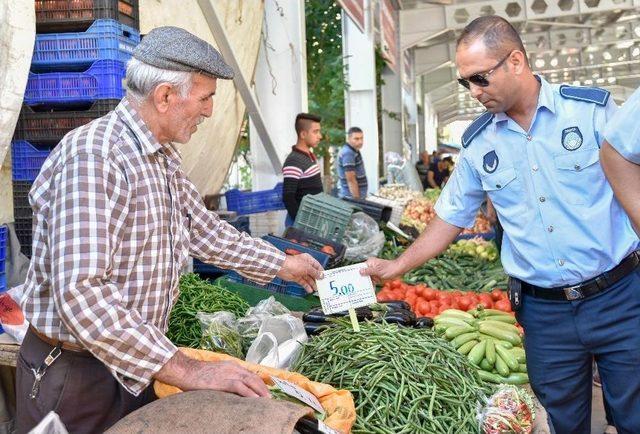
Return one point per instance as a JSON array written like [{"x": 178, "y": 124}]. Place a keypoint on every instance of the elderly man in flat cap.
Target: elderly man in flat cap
[{"x": 115, "y": 221}]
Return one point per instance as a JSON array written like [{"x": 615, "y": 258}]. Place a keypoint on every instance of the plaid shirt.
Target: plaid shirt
[{"x": 115, "y": 219}]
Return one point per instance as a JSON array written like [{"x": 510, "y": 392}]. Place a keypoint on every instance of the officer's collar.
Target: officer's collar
[{"x": 545, "y": 99}]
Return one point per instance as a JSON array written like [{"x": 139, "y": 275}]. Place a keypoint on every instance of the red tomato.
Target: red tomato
[
  {"x": 503, "y": 305},
  {"x": 464, "y": 302},
  {"x": 496, "y": 294},
  {"x": 435, "y": 305},
  {"x": 420, "y": 289},
  {"x": 486, "y": 300},
  {"x": 429, "y": 294},
  {"x": 411, "y": 291},
  {"x": 423, "y": 305},
  {"x": 456, "y": 293},
  {"x": 443, "y": 295},
  {"x": 396, "y": 284}
]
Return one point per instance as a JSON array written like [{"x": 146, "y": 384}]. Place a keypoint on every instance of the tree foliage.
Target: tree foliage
[{"x": 325, "y": 70}]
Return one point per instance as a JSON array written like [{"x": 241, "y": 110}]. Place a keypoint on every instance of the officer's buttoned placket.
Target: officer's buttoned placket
[{"x": 544, "y": 207}]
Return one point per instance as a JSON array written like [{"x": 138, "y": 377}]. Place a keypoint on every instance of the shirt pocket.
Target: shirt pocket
[
  {"x": 579, "y": 176},
  {"x": 505, "y": 191}
]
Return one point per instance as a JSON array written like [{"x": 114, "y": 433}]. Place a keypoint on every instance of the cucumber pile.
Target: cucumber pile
[{"x": 490, "y": 340}]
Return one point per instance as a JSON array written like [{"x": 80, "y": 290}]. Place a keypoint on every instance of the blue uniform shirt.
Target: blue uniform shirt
[
  {"x": 623, "y": 131},
  {"x": 562, "y": 224}
]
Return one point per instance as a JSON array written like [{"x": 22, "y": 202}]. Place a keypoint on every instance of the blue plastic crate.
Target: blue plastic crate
[
  {"x": 278, "y": 285},
  {"x": 3, "y": 283},
  {"x": 3, "y": 248},
  {"x": 283, "y": 244},
  {"x": 104, "y": 40},
  {"x": 251, "y": 202},
  {"x": 26, "y": 160},
  {"x": 103, "y": 80}
]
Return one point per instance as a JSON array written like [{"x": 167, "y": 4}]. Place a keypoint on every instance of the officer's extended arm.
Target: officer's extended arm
[
  {"x": 624, "y": 177},
  {"x": 433, "y": 241}
]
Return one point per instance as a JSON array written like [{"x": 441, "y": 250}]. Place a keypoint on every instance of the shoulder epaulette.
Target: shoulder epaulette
[
  {"x": 595, "y": 95},
  {"x": 475, "y": 128}
]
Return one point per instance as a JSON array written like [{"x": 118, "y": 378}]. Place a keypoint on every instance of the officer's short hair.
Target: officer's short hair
[
  {"x": 304, "y": 121},
  {"x": 354, "y": 130},
  {"x": 497, "y": 34}
]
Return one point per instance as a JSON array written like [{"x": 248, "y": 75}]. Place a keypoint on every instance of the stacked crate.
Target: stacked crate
[{"x": 77, "y": 73}]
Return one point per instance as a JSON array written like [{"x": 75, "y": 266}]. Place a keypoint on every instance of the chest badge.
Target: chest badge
[
  {"x": 490, "y": 162},
  {"x": 571, "y": 138}
]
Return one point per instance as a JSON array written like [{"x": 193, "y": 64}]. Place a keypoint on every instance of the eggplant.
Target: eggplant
[
  {"x": 314, "y": 328},
  {"x": 424, "y": 322},
  {"x": 399, "y": 317},
  {"x": 397, "y": 304},
  {"x": 315, "y": 315}
]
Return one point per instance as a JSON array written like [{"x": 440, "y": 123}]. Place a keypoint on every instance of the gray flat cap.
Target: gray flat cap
[{"x": 176, "y": 49}]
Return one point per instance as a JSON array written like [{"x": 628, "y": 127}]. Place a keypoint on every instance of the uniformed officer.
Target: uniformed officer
[
  {"x": 568, "y": 245},
  {"x": 621, "y": 156}
]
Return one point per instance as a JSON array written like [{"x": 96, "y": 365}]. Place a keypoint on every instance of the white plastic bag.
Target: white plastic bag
[
  {"x": 362, "y": 237},
  {"x": 279, "y": 341}
]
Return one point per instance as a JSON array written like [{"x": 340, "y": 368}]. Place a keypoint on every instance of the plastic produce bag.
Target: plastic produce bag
[
  {"x": 279, "y": 341},
  {"x": 220, "y": 333},
  {"x": 362, "y": 237},
  {"x": 268, "y": 306},
  {"x": 510, "y": 410},
  {"x": 400, "y": 171}
]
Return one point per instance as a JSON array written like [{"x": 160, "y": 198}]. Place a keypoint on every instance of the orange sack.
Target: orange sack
[{"x": 338, "y": 404}]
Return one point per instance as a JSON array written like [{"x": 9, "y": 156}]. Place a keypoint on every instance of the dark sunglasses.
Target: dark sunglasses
[{"x": 481, "y": 79}]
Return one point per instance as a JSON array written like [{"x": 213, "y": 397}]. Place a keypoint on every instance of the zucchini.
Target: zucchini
[
  {"x": 516, "y": 378},
  {"x": 456, "y": 313},
  {"x": 449, "y": 321},
  {"x": 495, "y": 312},
  {"x": 522, "y": 367},
  {"x": 453, "y": 332},
  {"x": 484, "y": 365},
  {"x": 504, "y": 344},
  {"x": 490, "y": 352},
  {"x": 464, "y": 338},
  {"x": 519, "y": 354},
  {"x": 507, "y": 319},
  {"x": 508, "y": 358},
  {"x": 477, "y": 353},
  {"x": 502, "y": 325},
  {"x": 499, "y": 333},
  {"x": 488, "y": 376},
  {"x": 465, "y": 348},
  {"x": 501, "y": 366}
]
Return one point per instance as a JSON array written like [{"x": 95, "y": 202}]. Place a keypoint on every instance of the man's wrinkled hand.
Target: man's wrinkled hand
[
  {"x": 302, "y": 269},
  {"x": 231, "y": 377},
  {"x": 381, "y": 270}
]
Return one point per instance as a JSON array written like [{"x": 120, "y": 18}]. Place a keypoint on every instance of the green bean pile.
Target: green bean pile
[
  {"x": 197, "y": 295},
  {"x": 452, "y": 271},
  {"x": 403, "y": 380},
  {"x": 463, "y": 273}
]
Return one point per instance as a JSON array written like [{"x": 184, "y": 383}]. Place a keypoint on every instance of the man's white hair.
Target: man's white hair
[{"x": 142, "y": 80}]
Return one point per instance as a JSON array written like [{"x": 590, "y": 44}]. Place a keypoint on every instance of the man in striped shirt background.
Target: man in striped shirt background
[{"x": 300, "y": 171}]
